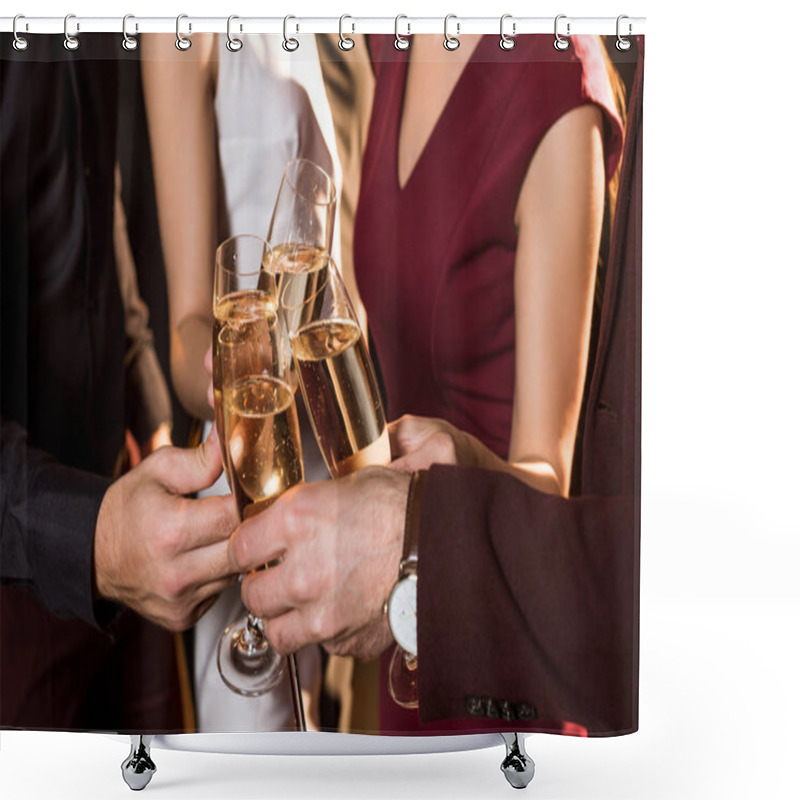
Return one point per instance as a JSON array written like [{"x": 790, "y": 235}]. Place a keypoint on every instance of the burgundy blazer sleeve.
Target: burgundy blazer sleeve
[
  {"x": 528, "y": 603},
  {"x": 48, "y": 519}
]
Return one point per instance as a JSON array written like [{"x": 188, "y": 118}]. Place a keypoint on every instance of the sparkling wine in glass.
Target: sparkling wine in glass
[
  {"x": 261, "y": 439},
  {"x": 336, "y": 375},
  {"x": 301, "y": 228},
  {"x": 244, "y": 291},
  {"x": 341, "y": 395}
]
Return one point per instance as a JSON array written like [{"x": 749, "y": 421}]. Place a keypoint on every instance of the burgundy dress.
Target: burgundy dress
[{"x": 435, "y": 260}]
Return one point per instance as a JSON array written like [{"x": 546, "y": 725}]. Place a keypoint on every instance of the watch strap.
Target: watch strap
[{"x": 408, "y": 561}]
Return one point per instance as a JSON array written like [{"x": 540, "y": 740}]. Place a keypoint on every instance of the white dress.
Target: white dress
[{"x": 270, "y": 107}]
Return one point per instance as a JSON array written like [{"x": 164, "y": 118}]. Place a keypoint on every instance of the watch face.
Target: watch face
[{"x": 402, "y": 613}]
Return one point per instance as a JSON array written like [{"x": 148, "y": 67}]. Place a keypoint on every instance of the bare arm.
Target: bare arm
[
  {"x": 148, "y": 408},
  {"x": 179, "y": 95},
  {"x": 559, "y": 215}
]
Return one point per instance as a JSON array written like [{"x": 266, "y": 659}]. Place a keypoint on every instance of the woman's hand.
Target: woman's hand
[{"x": 418, "y": 442}]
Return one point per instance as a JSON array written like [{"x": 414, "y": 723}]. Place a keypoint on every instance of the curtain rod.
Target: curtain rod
[{"x": 567, "y": 25}]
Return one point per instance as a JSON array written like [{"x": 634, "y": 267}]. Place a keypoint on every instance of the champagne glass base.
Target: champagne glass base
[
  {"x": 403, "y": 679},
  {"x": 247, "y": 662}
]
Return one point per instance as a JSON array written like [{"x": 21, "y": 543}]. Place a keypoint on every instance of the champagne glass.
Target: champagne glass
[
  {"x": 336, "y": 374},
  {"x": 403, "y": 686},
  {"x": 262, "y": 439},
  {"x": 243, "y": 283},
  {"x": 337, "y": 379},
  {"x": 248, "y": 365},
  {"x": 301, "y": 228}
]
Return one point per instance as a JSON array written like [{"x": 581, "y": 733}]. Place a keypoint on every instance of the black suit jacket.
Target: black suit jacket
[
  {"x": 62, "y": 334},
  {"x": 63, "y": 402},
  {"x": 528, "y": 603}
]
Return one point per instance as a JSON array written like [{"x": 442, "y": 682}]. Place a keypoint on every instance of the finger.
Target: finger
[
  {"x": 186, "y": 471},
  {"x": 400, "y": 432},
  {"x": 258, "y": 541},
  {"x": 207, "y": 565},
  {"x": 409, "y": 432},
  {"x": 420, "y": 458},
  {"x": 407, "y": 464},
  {"x": 289, "y": 633},
  {"x": 208, "y": 362},
  {"x": 264, "y": 594},
  {"x": 209, "y": 521}
]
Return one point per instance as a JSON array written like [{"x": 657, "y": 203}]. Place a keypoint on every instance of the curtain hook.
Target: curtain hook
[
  {"x": 345, "y": 42},
  {"x": 129, "y": 42},
  {"x": 401, "y": 42},
  {"x": 182, "y": 42},
  {"x": 561, "y": 43},
  {"x": 289, "y": 44},
  {"x": 233, "y": 44},
  {"x": 623, "y": 43},
  {"x": 20, "y": 42},
  {"x": 451, "y": 42},
  {"x": 506, "y": 42},
  {"x": 71, "y": 42}
]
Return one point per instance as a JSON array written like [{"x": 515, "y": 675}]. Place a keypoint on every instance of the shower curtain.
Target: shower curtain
[{"x": 482, "y": 243}]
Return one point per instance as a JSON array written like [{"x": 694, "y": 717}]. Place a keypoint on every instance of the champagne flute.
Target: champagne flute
[
  {"x": 243, "y": 284},
  {"x": 336, "y": 374},
  {"x": 262, "y": 439},
  {"x": 248, "y": 346},
  {"x": 301, "y": 228},
  {"x": 341, "y": 395}
]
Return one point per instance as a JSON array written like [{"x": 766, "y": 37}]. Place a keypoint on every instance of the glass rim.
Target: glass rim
[
  {"x": 306, "y": 299},
  {"x": 313, "y": 164},
  {"x": 265, "y": 248},
  {"x": 272, "y": 320}
]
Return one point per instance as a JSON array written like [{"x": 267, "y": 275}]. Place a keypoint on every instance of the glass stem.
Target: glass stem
[
  {"x": 253, "y": 632},
  {"x": 297, "y": 695}
]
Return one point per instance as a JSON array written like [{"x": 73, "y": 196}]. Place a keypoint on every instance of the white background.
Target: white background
[{"x": 720, "y": 704}]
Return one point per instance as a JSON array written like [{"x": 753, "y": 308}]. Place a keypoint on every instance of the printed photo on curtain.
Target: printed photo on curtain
[{"x": 321, "y": 374}]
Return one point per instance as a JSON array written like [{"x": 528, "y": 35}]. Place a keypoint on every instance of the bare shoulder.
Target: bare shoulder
[
  {"x": 159, "y": 49},
  {"x": 568, "y": 158}
]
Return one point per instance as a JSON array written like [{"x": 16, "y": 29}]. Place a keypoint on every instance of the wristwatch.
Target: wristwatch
[{"x": 401, "y": 606}]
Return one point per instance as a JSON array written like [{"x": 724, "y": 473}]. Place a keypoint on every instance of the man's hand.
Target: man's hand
[
  {"x": 158, "y": 552},
  {"x": 340, "y": 543}
]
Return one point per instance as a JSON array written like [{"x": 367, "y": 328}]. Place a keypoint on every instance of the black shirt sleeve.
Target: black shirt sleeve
[{"x": 48, "y": 520}]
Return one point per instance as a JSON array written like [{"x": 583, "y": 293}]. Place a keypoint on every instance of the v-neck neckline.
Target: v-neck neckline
[{"x": 403, "y": 83}]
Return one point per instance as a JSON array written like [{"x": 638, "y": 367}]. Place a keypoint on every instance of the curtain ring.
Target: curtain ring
[
  {"x": 560, "y": 42},
  {"x": 401, "y": 42},
  {"x": 233, "y": 44},
  {"x": 128, "y": 42},
  {"x": 20, "y": 42},
  {"x": 181, "y": 41},
  {"x": 345, "y": 42},
  {"x": 451, "y": 42},
  {"x": 289, "y": 45},
  {"x": 623, "y": 44},
  {"x": 71, "y": 42},
  {"x": 506, "y": 42}
]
